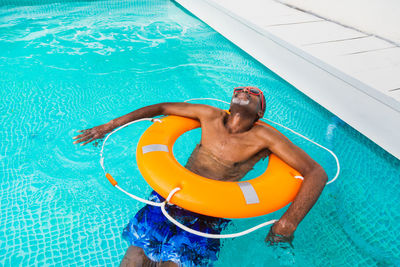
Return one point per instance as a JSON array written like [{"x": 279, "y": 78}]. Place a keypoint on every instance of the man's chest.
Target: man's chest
[{"x": 231, "y": 147}]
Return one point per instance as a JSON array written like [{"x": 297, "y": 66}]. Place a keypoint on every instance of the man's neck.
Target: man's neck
[{"x": 237, "y": 123}]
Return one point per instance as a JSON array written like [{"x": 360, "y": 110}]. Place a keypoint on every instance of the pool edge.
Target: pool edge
[{"x": 373, "y": 114}]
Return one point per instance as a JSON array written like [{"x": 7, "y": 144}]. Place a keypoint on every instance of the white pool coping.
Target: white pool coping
[{"x": 280, "y": 38}]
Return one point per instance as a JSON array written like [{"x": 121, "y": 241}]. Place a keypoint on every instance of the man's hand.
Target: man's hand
[
  {"x": 280, "y": 232},
  {"x": 92, "y": 134}
]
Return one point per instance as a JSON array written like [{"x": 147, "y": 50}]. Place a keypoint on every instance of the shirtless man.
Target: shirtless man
[{"x": 230, "y": 146}]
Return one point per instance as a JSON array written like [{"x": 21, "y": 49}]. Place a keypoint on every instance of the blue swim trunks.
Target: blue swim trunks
[{"x": 161, "y": 240}]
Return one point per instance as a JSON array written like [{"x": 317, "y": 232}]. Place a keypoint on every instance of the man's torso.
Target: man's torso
[{"x": 225, "y": 156}]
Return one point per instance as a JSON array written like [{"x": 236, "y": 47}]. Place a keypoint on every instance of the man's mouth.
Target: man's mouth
[{"x": 240, "y": 101}]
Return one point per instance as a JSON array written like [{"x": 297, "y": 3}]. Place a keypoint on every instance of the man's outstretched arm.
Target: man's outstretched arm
[
  {"x": 194, "y": 111},
  {"x": 314, "y": 182}
]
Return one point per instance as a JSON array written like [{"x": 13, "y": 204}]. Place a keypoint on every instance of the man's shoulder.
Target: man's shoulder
[
  {"x": 263, "y": 128},
  {"x": 265, "y": 132}
]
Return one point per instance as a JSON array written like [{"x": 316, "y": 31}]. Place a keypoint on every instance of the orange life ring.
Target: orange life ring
[{"x": 269, "y": 192}]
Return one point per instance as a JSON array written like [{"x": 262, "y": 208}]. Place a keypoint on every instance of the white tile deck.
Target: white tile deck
[
  {"x": 382, "y": 79},
  {"x": 365, "y": 61},
  {"x": 311, "y": 33},
  {"x": 396, "y": 94},
  {"x": 377, "y": 17},
  {"x": 353, "y": 52},
  {"x": 328, "y": 50},
  {"x": 361, "y": 66}
]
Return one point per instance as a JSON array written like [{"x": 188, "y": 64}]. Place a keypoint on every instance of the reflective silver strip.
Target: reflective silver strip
[
  {"x": 249, "y": 193},
  {"x": 156, "y": 147}
]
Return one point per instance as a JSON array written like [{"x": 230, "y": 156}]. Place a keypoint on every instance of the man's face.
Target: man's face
[{"x": 248, "y": 99}]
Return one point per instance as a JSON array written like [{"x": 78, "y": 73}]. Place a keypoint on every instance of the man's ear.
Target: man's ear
[{"x": 260, "y": 114}]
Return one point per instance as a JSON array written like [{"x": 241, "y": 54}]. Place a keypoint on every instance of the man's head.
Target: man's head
[{"x": 248, "y": 100}]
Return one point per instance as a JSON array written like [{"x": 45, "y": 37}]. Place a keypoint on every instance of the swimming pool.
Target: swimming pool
[{"x": 72, "y": 65}]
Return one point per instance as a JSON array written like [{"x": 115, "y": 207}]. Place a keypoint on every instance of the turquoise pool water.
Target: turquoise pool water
[{"x": 76, "y": 64}]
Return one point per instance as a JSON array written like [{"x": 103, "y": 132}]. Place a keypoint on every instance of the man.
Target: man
[{"x": 231, "y": 143}]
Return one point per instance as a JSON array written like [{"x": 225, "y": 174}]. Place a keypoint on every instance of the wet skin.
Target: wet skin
[{"x": 230, "y": 145}]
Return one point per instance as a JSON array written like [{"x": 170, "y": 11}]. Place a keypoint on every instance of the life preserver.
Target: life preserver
[{"x": 272, "y": 190}]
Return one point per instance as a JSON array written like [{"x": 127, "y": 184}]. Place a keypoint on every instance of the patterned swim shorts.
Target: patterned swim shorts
[{"x": 161, "y": 240}]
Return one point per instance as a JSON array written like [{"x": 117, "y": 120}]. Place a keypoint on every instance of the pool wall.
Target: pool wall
[{"x": 375, "y": 115}]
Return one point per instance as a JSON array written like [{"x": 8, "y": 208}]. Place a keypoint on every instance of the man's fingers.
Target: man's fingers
[
  {"x": 80, "y": 136},
  {"x": 84, "y": 138},
  {"x": 80, "y": 140},
  {"x": 90, "y": 140},
  {"x": 87, "y": 136}
]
